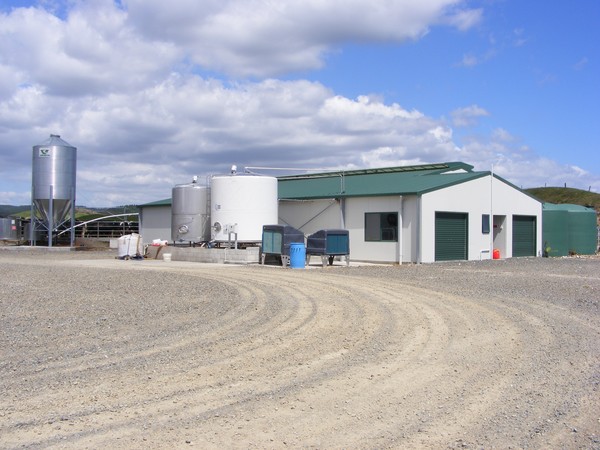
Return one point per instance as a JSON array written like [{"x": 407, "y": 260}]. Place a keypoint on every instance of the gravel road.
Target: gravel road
[{"x": 102, "y": 353}]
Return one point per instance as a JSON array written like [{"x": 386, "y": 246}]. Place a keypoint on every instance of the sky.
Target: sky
[{"x": 152, "y": 92}]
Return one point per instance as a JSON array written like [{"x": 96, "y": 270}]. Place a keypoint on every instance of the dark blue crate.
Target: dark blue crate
[
  {"x": 328, "y": 242},
  {"x": 276, "y": 239}
]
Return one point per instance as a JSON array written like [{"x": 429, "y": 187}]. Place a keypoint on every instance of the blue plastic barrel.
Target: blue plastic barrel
[{"x": 297, "y": 255}]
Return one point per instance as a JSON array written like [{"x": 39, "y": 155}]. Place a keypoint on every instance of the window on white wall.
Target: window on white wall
[
  {"x": 381, "y": 226},
  {"x": 485, "y": 223}
]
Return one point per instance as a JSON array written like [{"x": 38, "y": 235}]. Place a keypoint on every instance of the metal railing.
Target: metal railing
[{"x": 103, "y": 229}]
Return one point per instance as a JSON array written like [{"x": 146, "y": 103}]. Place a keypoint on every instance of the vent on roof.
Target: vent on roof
[
  {"x": 419, "y": 168},
  {"x": 455, "y": 171}
]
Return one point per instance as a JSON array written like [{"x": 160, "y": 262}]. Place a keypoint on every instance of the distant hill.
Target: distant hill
[
  {"x": 561, "y": 195},
  {"x": 82, "y": 213},
  {"x": 10, "y": 210}
]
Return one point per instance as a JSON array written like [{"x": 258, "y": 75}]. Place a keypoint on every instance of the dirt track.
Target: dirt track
[{"x": 101, "y": 353}]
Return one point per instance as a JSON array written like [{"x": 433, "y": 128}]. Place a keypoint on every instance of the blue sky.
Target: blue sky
[{"x": 152, "y": 93}]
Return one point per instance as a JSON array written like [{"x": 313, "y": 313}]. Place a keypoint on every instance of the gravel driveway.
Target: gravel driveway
[{"x": 102, "y": 353}]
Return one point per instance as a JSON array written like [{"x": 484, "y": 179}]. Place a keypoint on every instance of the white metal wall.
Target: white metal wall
[
  {"x": 411, "y": 228},
  {"x": 313, "y": 215},
  {"x": 362, "y": 250},
  {"x": 155, "y": 223},
  {"x": 309, "y": 216},
  {"x": 476, "y": 198}
]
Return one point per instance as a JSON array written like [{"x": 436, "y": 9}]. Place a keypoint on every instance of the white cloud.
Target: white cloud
[
  {"x": 472, "y": 60},
  {"x": 521, "y": 166},
  {"x": 519, "y": 38},
  {"x": 581, "y": 64},
  {"x": 125, "y": 85},
  {"x": 263, "y": 38},
  {"x": 467, "y": 116},
  {"x": 469, "y": 60},
  {"x": 102, "y": 47},
  {"x": 135, "y": 147},
  {"x": 500, "y": 134},
  {"x": 92, "y": 52},
  {"x": 464, "y": 19}
]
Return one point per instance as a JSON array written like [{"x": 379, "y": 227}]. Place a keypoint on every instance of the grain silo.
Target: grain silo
[{"x": 54, "y": 168}]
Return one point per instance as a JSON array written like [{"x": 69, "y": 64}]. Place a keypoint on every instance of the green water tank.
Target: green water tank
[{"x": 569, "y": 229}]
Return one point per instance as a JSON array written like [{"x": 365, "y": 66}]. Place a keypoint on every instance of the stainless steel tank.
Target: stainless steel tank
[
  {"x": 53, "y": 180},
  {"x": 190, "y": 213}
]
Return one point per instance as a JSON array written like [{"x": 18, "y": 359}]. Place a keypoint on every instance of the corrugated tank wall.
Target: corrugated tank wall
[
  {"x": 582, "y": 232},
  {"x": 569, "y": 229},
  {"x": 555, "y": 232}
]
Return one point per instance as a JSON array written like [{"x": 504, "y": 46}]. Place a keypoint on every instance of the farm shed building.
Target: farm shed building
[
  {"x": 421, "y": 214},
  {"x": 424, "y": 213}
]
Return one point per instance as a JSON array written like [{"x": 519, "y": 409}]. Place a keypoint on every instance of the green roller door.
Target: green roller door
[
  {"x": 451, "y": 236},
  {"x": 524, "y": 231}
]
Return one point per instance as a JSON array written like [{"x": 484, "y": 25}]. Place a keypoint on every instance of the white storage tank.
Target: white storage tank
[
  {"x": 190, "y": 213},
  {"x": 242, "y": 204}
]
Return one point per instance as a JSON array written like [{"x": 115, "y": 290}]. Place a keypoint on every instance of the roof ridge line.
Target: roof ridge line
[{"x": 441, "y": 167}]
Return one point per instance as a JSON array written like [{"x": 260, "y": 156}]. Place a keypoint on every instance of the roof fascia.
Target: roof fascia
[
  {"x": 164, "y": 202},
  {"x": 431, "y": 168}
]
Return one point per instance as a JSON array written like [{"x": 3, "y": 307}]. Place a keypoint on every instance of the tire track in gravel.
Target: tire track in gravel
[
  {"x": 313, "y": 359},
  {"x": 368, "y": 295},
  {"x": 544, "y": 380},
  {"x": 400, "y": 377},
  {"x": 292, "y": 297},
  {"x": 232, "y": 318},
  {"x": 270, "y": 393}
]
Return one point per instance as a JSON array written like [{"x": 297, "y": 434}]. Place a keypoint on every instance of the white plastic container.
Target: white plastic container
[{"x": 129, "y": 245}]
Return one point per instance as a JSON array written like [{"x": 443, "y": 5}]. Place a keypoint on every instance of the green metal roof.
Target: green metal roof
[
  {"x": 407, "y": 180},
  {"x": 567, "y": 207},
  {"x": 165, "y": 202},
  {"x": 404, "y": 180}
]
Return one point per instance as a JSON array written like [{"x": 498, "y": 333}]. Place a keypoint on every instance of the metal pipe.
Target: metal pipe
[
  {"x": 492, "y": 212},
  {"x": 50, "y": 215},
  {"x": 288, "y": 168},
  {"x": 418, "y": 230},
  {"x": 97, "y": 219},
  {"x": 400, "y": 229},
  {"x": 333, "y": 202},
  {"x": 229, "y": 239},
  {"x": 32, "y": 223},
  {"x": 342, "y": 213},
  {"x": 72, "y": 216}
]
